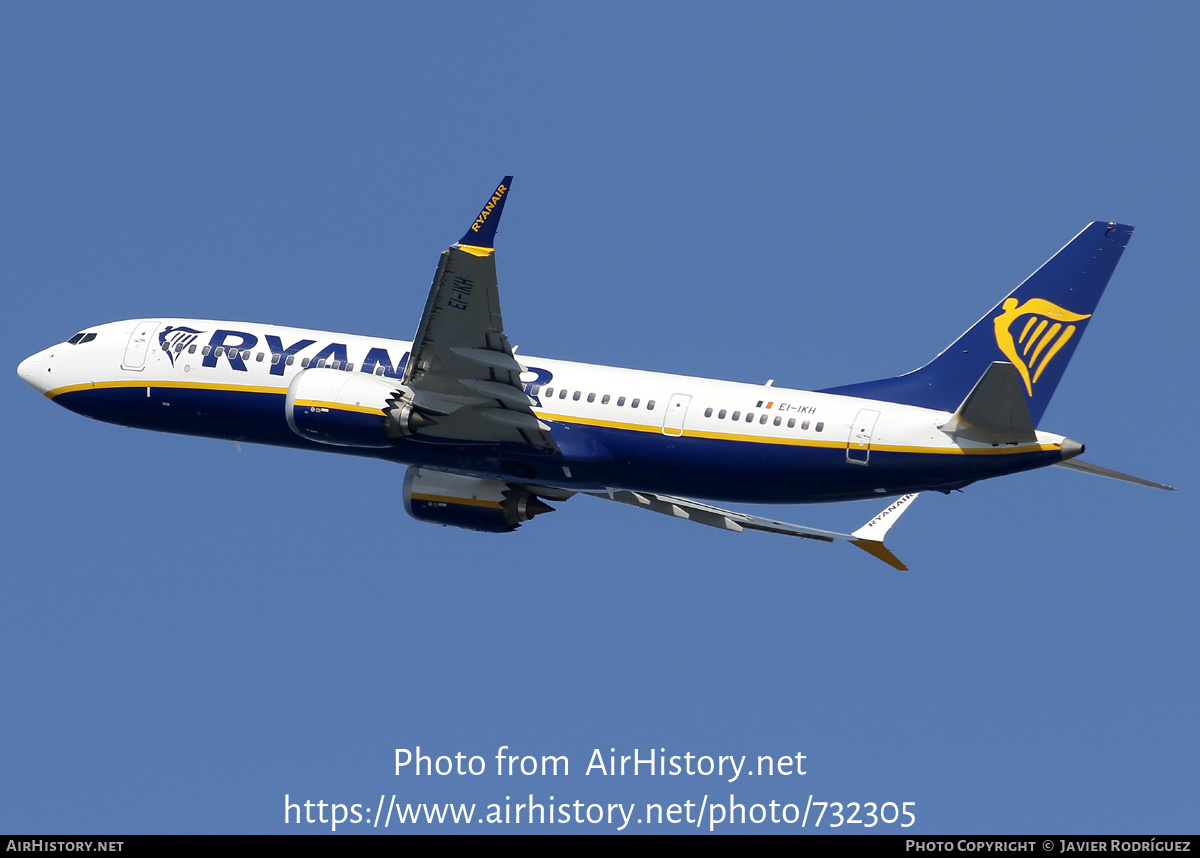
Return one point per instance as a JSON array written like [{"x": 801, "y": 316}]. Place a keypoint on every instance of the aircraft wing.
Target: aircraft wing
[
  {"x": 462, "y": 369},
  {"x": 869, "y": 537}
]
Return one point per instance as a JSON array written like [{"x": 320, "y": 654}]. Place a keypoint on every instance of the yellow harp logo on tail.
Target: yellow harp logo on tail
[{"x": 1046, "y": 330}]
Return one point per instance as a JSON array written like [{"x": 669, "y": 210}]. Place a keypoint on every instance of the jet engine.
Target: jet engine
[
  {"x": 454, "y": 500},
  {"x": 349, "y": 409}
]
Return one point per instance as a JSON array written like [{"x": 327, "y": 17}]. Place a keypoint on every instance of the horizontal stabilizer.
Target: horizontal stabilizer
[
  {"x": 1088, "y": 468},
  {"x": 869, "y": 537},
  {"x": 995, "y": 410}
]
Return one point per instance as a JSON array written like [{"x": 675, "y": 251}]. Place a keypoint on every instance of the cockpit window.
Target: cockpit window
[{"x": 81, "y": 338}]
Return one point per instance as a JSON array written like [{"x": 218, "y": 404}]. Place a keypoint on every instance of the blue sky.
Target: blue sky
[{"x": 814, "y": 193}]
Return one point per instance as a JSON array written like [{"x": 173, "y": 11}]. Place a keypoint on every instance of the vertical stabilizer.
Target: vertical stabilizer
[{"x": 1035, "y": 328}]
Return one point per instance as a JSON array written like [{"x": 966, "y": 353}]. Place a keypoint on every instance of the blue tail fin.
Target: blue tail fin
[{"x": 1035, "y": 328}]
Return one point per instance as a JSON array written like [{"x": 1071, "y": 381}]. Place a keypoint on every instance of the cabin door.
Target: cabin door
[
  {"x": 676, "y": 411},
  {"x": 858, "y": 448},
  {"x": 139, "y": 345}
]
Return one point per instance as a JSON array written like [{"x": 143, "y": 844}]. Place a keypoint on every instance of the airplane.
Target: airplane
[{"x": 490, "y": 439}]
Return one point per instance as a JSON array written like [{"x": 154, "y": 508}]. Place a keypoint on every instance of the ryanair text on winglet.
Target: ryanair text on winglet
[{"x": 487, "y": 209}]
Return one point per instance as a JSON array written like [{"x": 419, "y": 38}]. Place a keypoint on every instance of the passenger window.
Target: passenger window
[
  {"x": 650, "y": 405},
  {"x": 604, "y": 401},
  {"x": 721, "y": 414},
  {"x": 708, "y": 412},
  {"x": 575, "y": 396},
  {"x": 350, "y": 367},
  {"x": 335, "y": 364},
  {"x": 378, "y": 369},
  {"x": 220, "y": 351},
  {"x": 749, "y": 416},
  {"x": 192, "y": 349},
  {"x": 291, "y": 359},
  {"x": 737, "y": 415},
  {"x": 259, "y": 357},
  {"x": 621, "y": 401},
  {"x": 549, "y": 392},
  {"x": 321, "y": 363},
  {"x": 777, "y": 421},
  {"x": 245, "y": 354},
  {"x": 791, "y": 422},
  {"x": 533, "y": 391},
  {"x": 820, "y": 426},
  {"x": 591, "y": 397},
  {"x": 562, "y": 394},
  {"x": 275, "y": 358},
  {"x": 204, "y": 351},
  {"x": 304, "y": 363},
  {"x": 804, "y": 425},
  {"x": 634, "y": 404}
]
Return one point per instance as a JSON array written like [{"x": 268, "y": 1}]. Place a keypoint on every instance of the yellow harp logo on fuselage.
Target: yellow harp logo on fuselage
[{"x": 1047, "y": 329}]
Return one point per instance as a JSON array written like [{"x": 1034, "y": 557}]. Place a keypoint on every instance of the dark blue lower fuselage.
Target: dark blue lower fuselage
[{"x": 592, "y": 457}]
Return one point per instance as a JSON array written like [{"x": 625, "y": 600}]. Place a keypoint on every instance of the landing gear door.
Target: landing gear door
[
  {"x": 858, "y": 448},
  {"x": 139, "y": 345},
  {"x": 676, "y": 411}
]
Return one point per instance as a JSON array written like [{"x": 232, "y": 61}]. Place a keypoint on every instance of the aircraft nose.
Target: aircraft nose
[{"x": 32, "y": 372}]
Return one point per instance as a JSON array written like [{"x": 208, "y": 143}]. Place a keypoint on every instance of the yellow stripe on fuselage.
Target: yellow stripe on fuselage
[
  {"x": 198, "y": 385},
  {"x": 182, "y": 385},
  {"x": 656, "y": 429},
  {"x": 653, "y": 429}
]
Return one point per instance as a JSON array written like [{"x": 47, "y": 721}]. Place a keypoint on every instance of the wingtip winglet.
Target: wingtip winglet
[
  {"x": 878, "y": 549},
  {"x": 482, "y": 233},
  {"x": 870, "y": 536}
]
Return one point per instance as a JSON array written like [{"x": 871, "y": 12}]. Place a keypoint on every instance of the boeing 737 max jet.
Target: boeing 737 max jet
[{"x": 490, "y": 438}]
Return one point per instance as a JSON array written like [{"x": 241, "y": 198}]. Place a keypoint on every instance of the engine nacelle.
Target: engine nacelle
[
  {"x": 454, "y": 500},
  {"x": 349, "y": 409}
]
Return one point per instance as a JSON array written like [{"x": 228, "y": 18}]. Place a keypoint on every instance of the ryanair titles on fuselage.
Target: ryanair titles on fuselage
[{"x": 236, "y": 346}]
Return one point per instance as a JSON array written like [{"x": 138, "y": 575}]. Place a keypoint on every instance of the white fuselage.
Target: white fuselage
[{"x": 852, "y": 447}]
